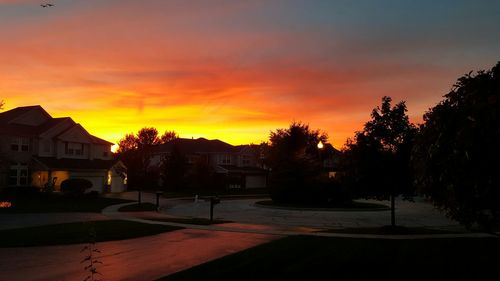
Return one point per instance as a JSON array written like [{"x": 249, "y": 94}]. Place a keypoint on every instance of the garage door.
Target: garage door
[
  {"x": 97, "y": 183},
  {"x": 255, "y": 181}
]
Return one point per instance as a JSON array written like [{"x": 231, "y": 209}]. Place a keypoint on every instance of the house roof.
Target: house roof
[
  {"x": 12, "y": 114},
  {"x": 200, "y": 145},
  {"x": 52, "y": 123},
  {"x": 74, "y": 164},
  {"x": 10, "y": 127},
  {"x": 100, "y": 141}
]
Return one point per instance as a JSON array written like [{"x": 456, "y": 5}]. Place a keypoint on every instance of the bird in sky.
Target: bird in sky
[{"x": 46, "y": 5}]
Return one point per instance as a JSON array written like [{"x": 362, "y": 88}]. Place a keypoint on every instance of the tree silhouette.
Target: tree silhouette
[
  {"x": 174, "y": 169},
  {"x": 456, "y": 156},
  {"x": 294, "y": 161},
  {"x": 376, "y": 162},
  {"x": 136, "y": 152},
  {"x": 168, "y": 136}
]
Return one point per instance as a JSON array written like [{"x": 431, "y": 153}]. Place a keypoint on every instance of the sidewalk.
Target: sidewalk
[{"x": 146, "y": 258}]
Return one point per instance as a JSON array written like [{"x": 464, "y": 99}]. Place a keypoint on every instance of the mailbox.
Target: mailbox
[{"x": 214, "y": 200}]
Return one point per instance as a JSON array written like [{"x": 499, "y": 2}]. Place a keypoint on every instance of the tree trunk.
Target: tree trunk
[{"x": 393, "y": 211}]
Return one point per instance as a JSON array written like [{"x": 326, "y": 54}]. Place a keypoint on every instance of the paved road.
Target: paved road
[
  {"x": 418, "y": 214},
  {"x": 411, "y": 214}
]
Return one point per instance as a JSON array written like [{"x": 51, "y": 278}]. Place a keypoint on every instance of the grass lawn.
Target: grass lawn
[
  {"x": 325, "y": 258},
  {"x": 55, "y": 203},
  {"x": 78, "y": 232},
  {"x": 143, "y": 207},
  {"x": 196, "y": 221},
  {"x": 399, "y": 230}
]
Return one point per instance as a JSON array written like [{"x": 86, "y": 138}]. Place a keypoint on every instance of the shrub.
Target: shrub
[
  {"x": 75, "y": 187},
  {"x": 313, "y": 192}
]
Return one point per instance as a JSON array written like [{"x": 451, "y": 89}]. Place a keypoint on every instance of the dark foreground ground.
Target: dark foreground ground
[{"x": 324, "y": 258}]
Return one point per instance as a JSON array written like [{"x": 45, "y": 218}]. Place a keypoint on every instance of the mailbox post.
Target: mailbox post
[
  {"x": 158, "y": 194},
  {"x": 214, "y": 200}
]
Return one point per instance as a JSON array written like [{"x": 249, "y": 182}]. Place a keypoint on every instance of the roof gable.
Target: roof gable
[
  {"x": 75, "y": 133},
  {"x": 55, "y": 126}
]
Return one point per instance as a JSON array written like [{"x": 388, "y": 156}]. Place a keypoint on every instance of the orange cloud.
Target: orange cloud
[{"x": 203, "y": 69}]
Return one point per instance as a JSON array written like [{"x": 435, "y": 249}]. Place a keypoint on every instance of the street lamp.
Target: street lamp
[{"x": 320, "y": 145}]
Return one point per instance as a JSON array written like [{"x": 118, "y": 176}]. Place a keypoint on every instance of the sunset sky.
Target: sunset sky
[{"x": 235, "y": 70}]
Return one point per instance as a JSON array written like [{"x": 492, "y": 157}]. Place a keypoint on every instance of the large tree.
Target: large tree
[
  {"x": 376, "y": 162},
  {"x": 293, "y": 157},
  {"x": 456, "y": 156},
  {"x": 135, "y": 150},
  {"x": 174, "y": 169}
]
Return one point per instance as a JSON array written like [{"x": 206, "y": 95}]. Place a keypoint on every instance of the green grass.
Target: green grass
[
  {"x": 196, "y": 221},
  {"x": 346, "y": 206},
  {"x": 143, "y": 207},
  {"x": 78, "y": 232},
  {"x": 324, "y": 258},
  {"x": 54, "y": 204}
]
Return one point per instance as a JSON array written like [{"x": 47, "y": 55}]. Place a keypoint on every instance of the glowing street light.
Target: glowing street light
[{"x": 320, "y": 145}]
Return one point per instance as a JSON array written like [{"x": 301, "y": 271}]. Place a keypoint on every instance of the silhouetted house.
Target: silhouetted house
[
  {"x": 234, "y": 167},
  {"x": 38, "y": 150}
]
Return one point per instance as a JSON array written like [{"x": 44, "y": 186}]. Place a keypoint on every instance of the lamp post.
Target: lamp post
[{"x": 320, "y": 147}]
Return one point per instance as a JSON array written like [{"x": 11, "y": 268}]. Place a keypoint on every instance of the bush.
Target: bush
[
  {"x": 315, "y": 192},
  {"x": 75, "y": 187}
]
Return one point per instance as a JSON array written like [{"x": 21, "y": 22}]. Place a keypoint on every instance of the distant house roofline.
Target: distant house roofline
[{"x": 8, "y": 125}]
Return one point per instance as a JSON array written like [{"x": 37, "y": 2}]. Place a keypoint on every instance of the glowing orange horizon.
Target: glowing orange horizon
[{"x": 234, "y": 71}]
